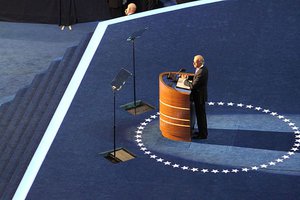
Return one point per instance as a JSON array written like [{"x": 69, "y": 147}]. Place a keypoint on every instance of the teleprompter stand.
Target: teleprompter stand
[
  {"x": 120, "y": 154},
  {"x": 136, "y": 107}
]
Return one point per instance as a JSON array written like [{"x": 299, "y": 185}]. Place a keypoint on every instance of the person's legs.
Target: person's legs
[
  {"x": 192, "y": 116},
  {"x": 202, "y": 122},
  {"x": 201, "y": 119}
]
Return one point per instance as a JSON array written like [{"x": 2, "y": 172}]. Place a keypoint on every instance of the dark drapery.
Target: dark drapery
[
  {"x": 183, "y": 1},
  {"x": 53, "y": 11}
]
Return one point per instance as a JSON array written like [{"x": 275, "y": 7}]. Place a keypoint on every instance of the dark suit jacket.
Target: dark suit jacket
[{"x": 199, "y": 86}]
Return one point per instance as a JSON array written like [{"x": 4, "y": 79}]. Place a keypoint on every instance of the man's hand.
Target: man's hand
[{"x": 185, "y": 76}]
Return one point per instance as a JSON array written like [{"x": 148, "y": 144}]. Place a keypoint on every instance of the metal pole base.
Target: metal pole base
[
  {"x": 138, "y": 107},
  {"x": 119, "y": 155}
]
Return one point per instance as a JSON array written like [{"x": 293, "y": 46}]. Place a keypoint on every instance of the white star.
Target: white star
[
  {"x": 185, "y": 168},
  {"x": 157, "y": 113},
  {"x": 153, "y": 116},
  {"x": 273, "y": 113},
  {"x": 272, "y": 163},
  {"x": 153, "y": 156},
  {"x": 264, "y": 166},
  {"x": 204, "y": 171},
  {"x": 291, "y": 153},
  {"x": 144, "y": 124},
  {"x": 297, "y": 145},
  {"x": 230, "y": 104},
  {"x": 140, "y": 144},
  {"x": 211, "y": 103},
  {"x": 194, "y": 169},
  {"x": 249, "y": 106},
  {"x": 225, "y": 171},
  {"x": 215, "y": 171},
  {"x": 175, "y": 166},
  {"x": 285, "y": 157},
  {"x": 148, "y": 120},
  {"x": 139, "y": 132},
  {"x": 280, "y": 117},
  {"x": 138, "y": 140},
  {"x": 245, "y": 169},
  {"x": 141, "y": 127},
  {"x": 240, "y": 105},
  {"x": 220, "y": 103},
  {"x": 298, "y": 140},
  {"x": 167, "y": 163},
  {"x": 143, "y": 148},
  {"x": 138, "y": 136},
  {"x": 294, "y": 149},
  {"x": 297, "y": 132},
  {"x": 254, "y": 168},
  {"x": 291, "y": 124},
  {"x": 279, "y": 160},
  {"x": 266, "y": 111},
  {"x": 258, "y": 108},
  {"x": 286, "y": 120},
  {"x": 159, "y": 160},
  {"x": 295, "y": 128},
  {"x": 297, "y": 136},
  {"x": 235, "y": 170},
  {"x": 147, "y": 152}
]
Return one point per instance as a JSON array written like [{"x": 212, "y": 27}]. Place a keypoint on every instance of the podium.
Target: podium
[{"x": 175, "y": 109}]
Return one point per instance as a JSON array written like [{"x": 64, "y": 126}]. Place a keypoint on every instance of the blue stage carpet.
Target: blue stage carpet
[{"x": 252, "y": 53}]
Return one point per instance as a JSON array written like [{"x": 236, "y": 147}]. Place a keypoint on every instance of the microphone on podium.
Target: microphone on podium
[
  {"x": 173, "y": 75},
  {"x": 181, "y": 70}
]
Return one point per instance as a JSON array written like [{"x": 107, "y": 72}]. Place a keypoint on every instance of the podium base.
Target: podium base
[
  {"x": 121, "y": 155},
  {"x": 137, "y": 108}
]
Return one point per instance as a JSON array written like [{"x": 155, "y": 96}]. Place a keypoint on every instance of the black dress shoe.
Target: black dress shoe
[
  {"x": 195, "y": 134},
  {"x": 199, "y": 137},
  {"x": 203, "y": 137}
]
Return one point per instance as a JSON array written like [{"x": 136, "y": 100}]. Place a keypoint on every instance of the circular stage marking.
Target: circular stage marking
[{"x": 177, "y": 165}]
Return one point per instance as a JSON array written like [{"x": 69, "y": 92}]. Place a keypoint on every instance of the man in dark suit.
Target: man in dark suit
[
  {"x": 67, "y": 13},
  {"x": 198, "y": 95}
]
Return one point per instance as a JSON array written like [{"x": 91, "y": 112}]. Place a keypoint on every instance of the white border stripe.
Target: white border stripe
[
  {"x": 59, "y": 114},
  {"x": 61, "y": 111}
]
